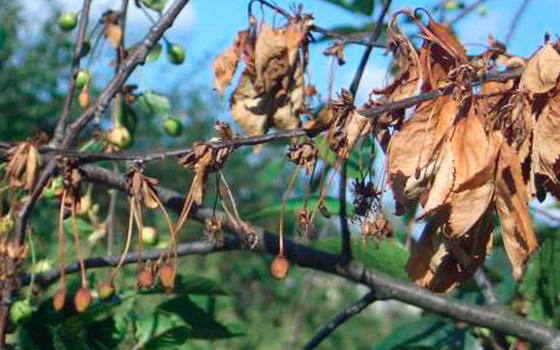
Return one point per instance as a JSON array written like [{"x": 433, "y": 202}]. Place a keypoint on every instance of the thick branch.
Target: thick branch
[{"x": 385, "y": 287}]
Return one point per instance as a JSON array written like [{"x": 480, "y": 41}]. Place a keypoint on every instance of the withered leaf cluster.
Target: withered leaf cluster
[
  {"x": 466, "y": 156},
  {"x": 271, "y": 89}
]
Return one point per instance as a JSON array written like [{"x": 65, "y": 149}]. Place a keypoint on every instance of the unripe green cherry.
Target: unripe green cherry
[
  {"x": 172, "y": 126},
  {"x": 82, "y": 79},
  {"x": 175, "y": 53},
  {"x": 68, "y": 21}
]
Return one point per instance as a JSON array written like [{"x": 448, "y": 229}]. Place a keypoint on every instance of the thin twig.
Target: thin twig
[
  {"x": 339, "y": 320},
  {"x": 515, "y": 21},
  {"x": 75, "y": 68},
  {"x": 486, "y": 287},
  {"x": 466, "y": 11},
  {"x": 342, "y": 214}
]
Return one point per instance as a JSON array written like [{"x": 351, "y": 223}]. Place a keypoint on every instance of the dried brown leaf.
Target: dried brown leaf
[
  {"x": 225, "y": 65},
  {"x": 541, "y": 72},
  {"x": 511, "y": 203}
]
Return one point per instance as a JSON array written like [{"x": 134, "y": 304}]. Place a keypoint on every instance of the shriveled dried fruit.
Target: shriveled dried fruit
[
  {"x": 279, "y": 267},
  {"x": 82, "y": 300},
  {"x": 145, "y": 278},
  {"x": 167, "y": 277},
  {"x": 105, "y": 291},
  {"x": 59, "y": 300}
]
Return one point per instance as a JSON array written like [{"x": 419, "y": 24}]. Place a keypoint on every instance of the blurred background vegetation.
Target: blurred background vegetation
[{"x": 227, "y": 301}]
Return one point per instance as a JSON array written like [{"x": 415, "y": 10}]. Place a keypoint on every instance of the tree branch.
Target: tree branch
[
  {"x": 466, "y": 11},
  {"x": 73, "y": 130},
  {"x": 515, "y": 21},
  {"x": 385, "y": 287},
  {"x": 339, "y": 320},
  {"x": 343, "y": 218},
  {"x": 75, "y": 68}
]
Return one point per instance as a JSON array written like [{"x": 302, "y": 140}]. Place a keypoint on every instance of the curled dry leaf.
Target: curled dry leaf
[
  {"x": 511, "y": 203},
  {"x": 225, "y": 65},
  {"x": 440, "y": 264},
  {"x": 541, "y": 72},
  {"x": 203, "y": 160},
  {"x": 348, "y": 127},
  {"x": 271, "y": 89}
]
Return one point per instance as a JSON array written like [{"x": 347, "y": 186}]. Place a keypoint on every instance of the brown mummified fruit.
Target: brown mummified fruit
[
  {"x": 59, "y": 300},
  {"x": 146, "y": 278},
  {"x": 279, "y": 267},
  {"x": 105, "y": 291},
  {"x": 82, "y": 300},
  {"x": 167, "y": 277}
]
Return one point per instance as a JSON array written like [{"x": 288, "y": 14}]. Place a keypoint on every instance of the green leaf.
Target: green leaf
[
  {"x": 294, "y": 204},
  {"x": 156, "y": 5},
  {"x": 430, "y": 332},
  {"x": 153, "y": 104},
  {"x": 541, "y": 283},
  {"x": 364, "y": 7},
  {"x": 161, "y": 330},
  {"x": 203, "y": 325},
  {"x": 84, "y": 227},
  {"x": 389, "y": 256}
]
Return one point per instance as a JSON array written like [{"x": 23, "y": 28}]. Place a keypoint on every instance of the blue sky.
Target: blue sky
[{"x": 205, "y": 28}]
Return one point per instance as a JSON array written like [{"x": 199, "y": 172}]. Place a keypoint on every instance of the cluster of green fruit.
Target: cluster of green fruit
[{"x": 175, "y": 52}]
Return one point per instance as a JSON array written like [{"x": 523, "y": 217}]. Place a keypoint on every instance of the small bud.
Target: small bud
[
  {"x": 59, "y": 300},
  {"x": 145, "y": 278},
  {"x": 82, "y": 79},
  {"x": 105, "y": 291},
  {"x": 167, "y": 277},
  {"x": 279, "y": 267},
  {"x": 82, "y": 300}
]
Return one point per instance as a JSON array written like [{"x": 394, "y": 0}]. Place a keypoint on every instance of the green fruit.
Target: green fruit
[
  {"x": 68, "y": 21},
  {"x": 172, "y": 126},
  {"x": 20, "y": 312},
  {"x": 86, "y": 46},
  {"x": 149, "y": 236},
  {"x": 82, "y": 79},
  {"x": 175, "y": 53},
  {"x": 450, "y": 5}
]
